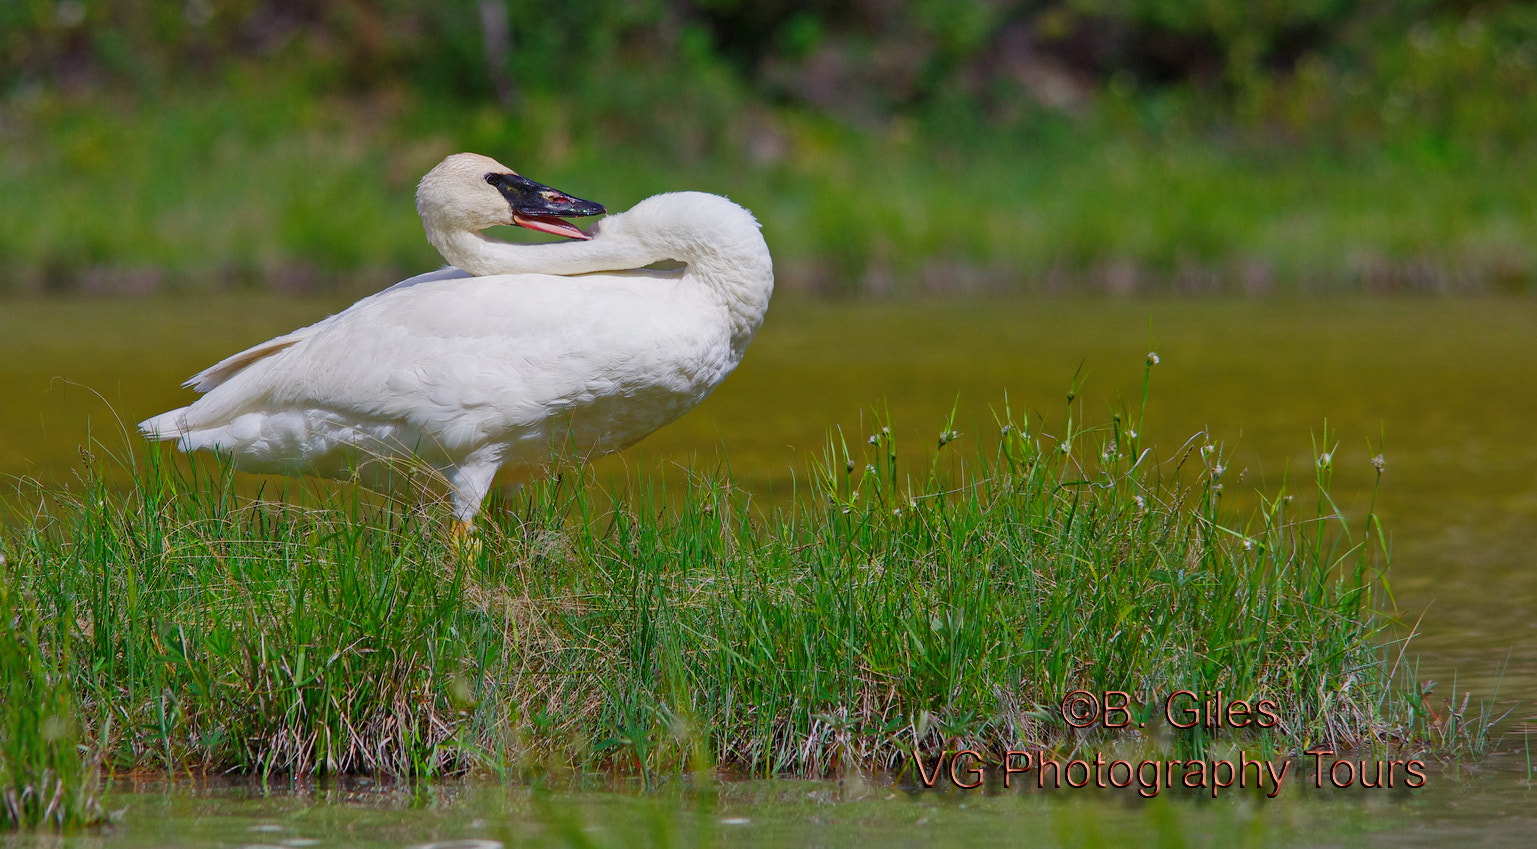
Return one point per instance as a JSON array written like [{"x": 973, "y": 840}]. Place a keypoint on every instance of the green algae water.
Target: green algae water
[{"x": 1440, "y": 389}]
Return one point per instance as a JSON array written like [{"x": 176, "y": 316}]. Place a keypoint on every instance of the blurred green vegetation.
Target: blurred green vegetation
[{"x": 1208, "y": 145}]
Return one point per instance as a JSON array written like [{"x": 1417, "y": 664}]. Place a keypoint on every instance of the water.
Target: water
[
  {"x": 1443, "y": 389},
  {"x": 1489, "y": 809}
]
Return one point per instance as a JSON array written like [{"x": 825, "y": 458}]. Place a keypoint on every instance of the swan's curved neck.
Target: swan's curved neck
[
  {"x": 732, "y": 263},
  {"x": 483, "y": 256},
  {"x": 739, "y": 272}
]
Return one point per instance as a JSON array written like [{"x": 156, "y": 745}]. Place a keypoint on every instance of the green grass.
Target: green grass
[
  {"x": 44, "y": 777},
  {"x": 886, "y": 611}
]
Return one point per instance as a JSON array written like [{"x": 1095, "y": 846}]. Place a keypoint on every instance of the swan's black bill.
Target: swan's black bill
[{"x": 539, "y": 207}]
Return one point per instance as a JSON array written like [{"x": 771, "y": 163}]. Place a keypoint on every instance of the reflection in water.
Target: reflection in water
[
  {"x": 1443, "y": 389},
  {"x": 1489, "y": 809}
]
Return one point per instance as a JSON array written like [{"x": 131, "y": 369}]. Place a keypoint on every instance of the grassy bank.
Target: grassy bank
[{"x": 885, "y": 612}]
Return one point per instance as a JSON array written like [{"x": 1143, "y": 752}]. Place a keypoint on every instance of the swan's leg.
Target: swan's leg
[{"x": 470, "y": 481}]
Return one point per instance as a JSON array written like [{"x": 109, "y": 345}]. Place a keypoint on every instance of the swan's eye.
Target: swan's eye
[{"x": 493, "y": 179}]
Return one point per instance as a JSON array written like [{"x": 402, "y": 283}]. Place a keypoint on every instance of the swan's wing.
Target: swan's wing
[
  {"x": 447, "y": 272},
  {"x": 228, "y": 367},
  {"x": 448, "y": 368},
  {"x": 513, "y": 348},
  {"x": 222, "y": 371}
]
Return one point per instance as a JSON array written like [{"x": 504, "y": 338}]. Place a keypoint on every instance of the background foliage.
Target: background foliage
[{"x": 1193, "y": 144}]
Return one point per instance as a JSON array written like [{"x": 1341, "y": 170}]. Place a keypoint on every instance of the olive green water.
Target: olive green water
[{"x": 1446, "y": 387}]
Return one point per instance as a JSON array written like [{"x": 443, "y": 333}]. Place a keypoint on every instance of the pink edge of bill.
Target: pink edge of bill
[{"x": 549, "y": 224}]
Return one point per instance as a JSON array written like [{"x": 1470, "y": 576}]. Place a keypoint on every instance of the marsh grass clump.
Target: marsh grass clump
[
  {"x": 893, "y": 608},
  {"x": 260, "y": 637},
  {"x": 45, "y": 778}
]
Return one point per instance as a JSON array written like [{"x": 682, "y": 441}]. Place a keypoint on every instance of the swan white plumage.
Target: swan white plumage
[{"x": 571, "y": 346}]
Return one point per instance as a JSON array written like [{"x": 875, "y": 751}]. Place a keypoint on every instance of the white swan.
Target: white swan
[{"x": 581, "y": 350}]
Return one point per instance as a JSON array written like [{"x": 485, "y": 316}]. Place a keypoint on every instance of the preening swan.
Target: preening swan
[
  {"x": 466, "y": 193},
  {"x": 563, "y": 346}
]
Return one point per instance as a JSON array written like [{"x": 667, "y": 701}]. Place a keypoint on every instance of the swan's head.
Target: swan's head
[{"x": 468, "y": 191}]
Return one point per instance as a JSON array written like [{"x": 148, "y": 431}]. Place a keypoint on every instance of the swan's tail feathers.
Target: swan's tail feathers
[
  {"x": 166, "y": 426},
  {"x": 188, "y": 435}
]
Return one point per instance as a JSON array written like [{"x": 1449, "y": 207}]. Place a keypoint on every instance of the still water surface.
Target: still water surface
[
  {"x": 1487, "y": 810},
  {"x": 1443, "y": 388}
]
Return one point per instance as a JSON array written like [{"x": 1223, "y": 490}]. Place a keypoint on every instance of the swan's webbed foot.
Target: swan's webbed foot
[{"x": 463, "y": 539}]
